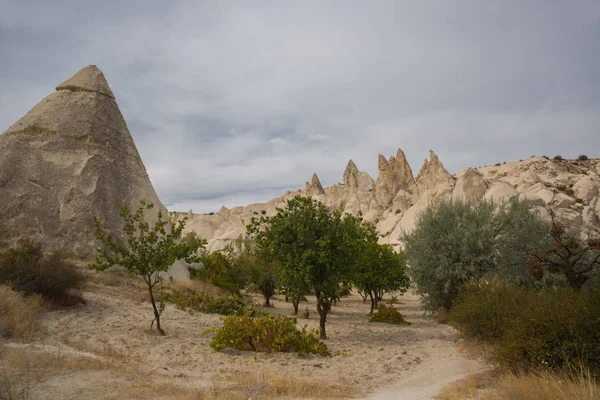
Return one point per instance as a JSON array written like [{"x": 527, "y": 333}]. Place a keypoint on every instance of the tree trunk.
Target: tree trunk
[
  {"x": 295, "y": 304},
  {"x": 323, "y": 308},
  {"x": 156, "y": 313},
  {"x": 267, "y": 301},
  {"x": 373, "y": 301}
]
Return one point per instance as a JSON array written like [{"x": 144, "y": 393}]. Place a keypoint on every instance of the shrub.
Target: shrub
[
  {"x": 582, "y": 157},
  {"x": 497, "y": 164},
  {"x": 389, "y": 315},
  {"x": 28, "y": 270},
  {"x": 555, "y": 329},
  {"x": 267, "y": 334},
  {"x": 206, "y": 303},
  {"x": 558, "y": 158},
  {"x": 18, "y": 314}
]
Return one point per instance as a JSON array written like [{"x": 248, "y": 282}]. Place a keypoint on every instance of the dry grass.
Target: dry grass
[
  {"x": 545, "y": 385},
  {"x": 269, "y": 386},
  {"x": 18, "y": 314},
  {"x": 495, "y": 385},
  {"x": 21, "y": 370}
]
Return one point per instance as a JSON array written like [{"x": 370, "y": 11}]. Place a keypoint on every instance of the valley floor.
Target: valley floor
[{"x": 105, "y": 350}]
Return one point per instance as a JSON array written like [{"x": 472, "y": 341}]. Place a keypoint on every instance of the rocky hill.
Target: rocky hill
[{"x": 395, "y": 198}]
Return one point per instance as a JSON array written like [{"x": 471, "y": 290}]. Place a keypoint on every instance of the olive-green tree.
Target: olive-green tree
[
  {"x": 379, "y": 269},
  {"x": 316, "y": 249},
  {"x": 149, "y": 250},
  {"x": 455, "y": 241}
]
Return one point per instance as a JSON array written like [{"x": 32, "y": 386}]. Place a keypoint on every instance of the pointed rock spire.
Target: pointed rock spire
[
  {"x": 403, "y": 171},
  {"x": 314, "y": 187},
  {"x": 431, "y": 174},
  {"x": 87, "y": 79},
  {"x": 87, "y": 164}
]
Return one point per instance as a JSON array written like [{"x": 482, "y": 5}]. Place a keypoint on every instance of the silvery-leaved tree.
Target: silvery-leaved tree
[{"x": 149, "y": 250}]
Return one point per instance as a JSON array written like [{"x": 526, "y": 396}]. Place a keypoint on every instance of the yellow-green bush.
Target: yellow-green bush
[
  {"x": 389, "y": 315},
  {"x": 207, "y": 303},
  {"x": 267, "y": 334},
  {"x": 556, "y": 328}
]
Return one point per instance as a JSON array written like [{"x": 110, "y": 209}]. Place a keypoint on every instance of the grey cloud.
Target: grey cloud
[{"x": 233, "y": 102}]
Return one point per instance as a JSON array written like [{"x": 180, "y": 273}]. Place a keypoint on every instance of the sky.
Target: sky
[{"x": 235, "y": 102}]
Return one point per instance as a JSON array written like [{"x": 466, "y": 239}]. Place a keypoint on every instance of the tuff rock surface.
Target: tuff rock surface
[
  {"x": 70, "y": 158},
  {"x": 395, "y": 198}
]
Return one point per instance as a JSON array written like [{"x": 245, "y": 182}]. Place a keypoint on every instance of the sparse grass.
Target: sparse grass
[
  {"x": 18, "y": 314},
  {"x": 269, "y": 386}
]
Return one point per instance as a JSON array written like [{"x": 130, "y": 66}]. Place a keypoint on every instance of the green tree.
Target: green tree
[
  {"x": 380, "y": 270},
  {"x": 149, "y": 251},
  {"x": 316, "y": 249},
  {"x": 223, "y": 269},
  {"x": 456, "y": 241}
]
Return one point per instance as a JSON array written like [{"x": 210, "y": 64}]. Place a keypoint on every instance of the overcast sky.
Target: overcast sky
[{"x": 234, "y": 102}]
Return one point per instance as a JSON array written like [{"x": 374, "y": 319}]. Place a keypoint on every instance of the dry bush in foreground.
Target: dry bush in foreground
[
  {"x": 18, "y": 314},
  {"x": 28, "y": 270},
  {"x": 268, "y": 386}
]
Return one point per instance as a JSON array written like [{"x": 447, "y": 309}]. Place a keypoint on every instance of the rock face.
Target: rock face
[
  {"x": 395, "y": 199},
  {"x": 71, "y": 157}
]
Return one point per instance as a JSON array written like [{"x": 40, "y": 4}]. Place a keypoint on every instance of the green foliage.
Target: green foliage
[
  {"x": 528, "y": 329},
  {"x": 456, "y": 241},
  {"x": 582, "y": 157},
  {"x": 315, "y": 249},
  {"x": 189, "y": 299},
  {"x": 26, "y": 269},
  {"x": 149, "y": 249},
  {"x": 379, "y": 270},
  {"x": 267, "y": 334},
  {"x": 223, "y": 269},
  {"x": 387, "y": 313}
]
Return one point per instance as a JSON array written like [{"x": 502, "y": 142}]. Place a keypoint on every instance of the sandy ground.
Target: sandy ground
[{"x": 372, "y": 360}]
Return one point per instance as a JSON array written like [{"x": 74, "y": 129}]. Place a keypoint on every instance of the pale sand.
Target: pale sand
[{"x": 394, "y": 362}]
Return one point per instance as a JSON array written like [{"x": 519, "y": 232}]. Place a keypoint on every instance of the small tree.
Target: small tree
[
  {"x": 223, "y": 269},
  {"x": 149, "y": 251},
  {"x": 380, "y": 270},
  {"x": 572, "y": 254}
]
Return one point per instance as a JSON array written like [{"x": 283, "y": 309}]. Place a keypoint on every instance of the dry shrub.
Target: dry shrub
[
  {"x": 28, "y": 270},
  {"x": 269, "y": 386},
  {"x": 18, "y": 314}
]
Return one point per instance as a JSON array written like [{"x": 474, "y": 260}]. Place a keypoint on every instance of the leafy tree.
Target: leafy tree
[
  {"x": 380, "y": 270},
  {"x": 149, "y": 249},
  {"x": 264, "y": 276},
  {"x": 315, "y": 249},
  {"x": 457, "y": 241}
]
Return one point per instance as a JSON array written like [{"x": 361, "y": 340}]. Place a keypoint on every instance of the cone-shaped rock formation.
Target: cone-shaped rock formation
[{"x": 70, "y": 158}]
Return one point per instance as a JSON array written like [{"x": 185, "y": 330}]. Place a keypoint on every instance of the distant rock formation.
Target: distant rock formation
[
  {"x": 395, "y": 199},
  {"x": 71, "y": 157}
]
